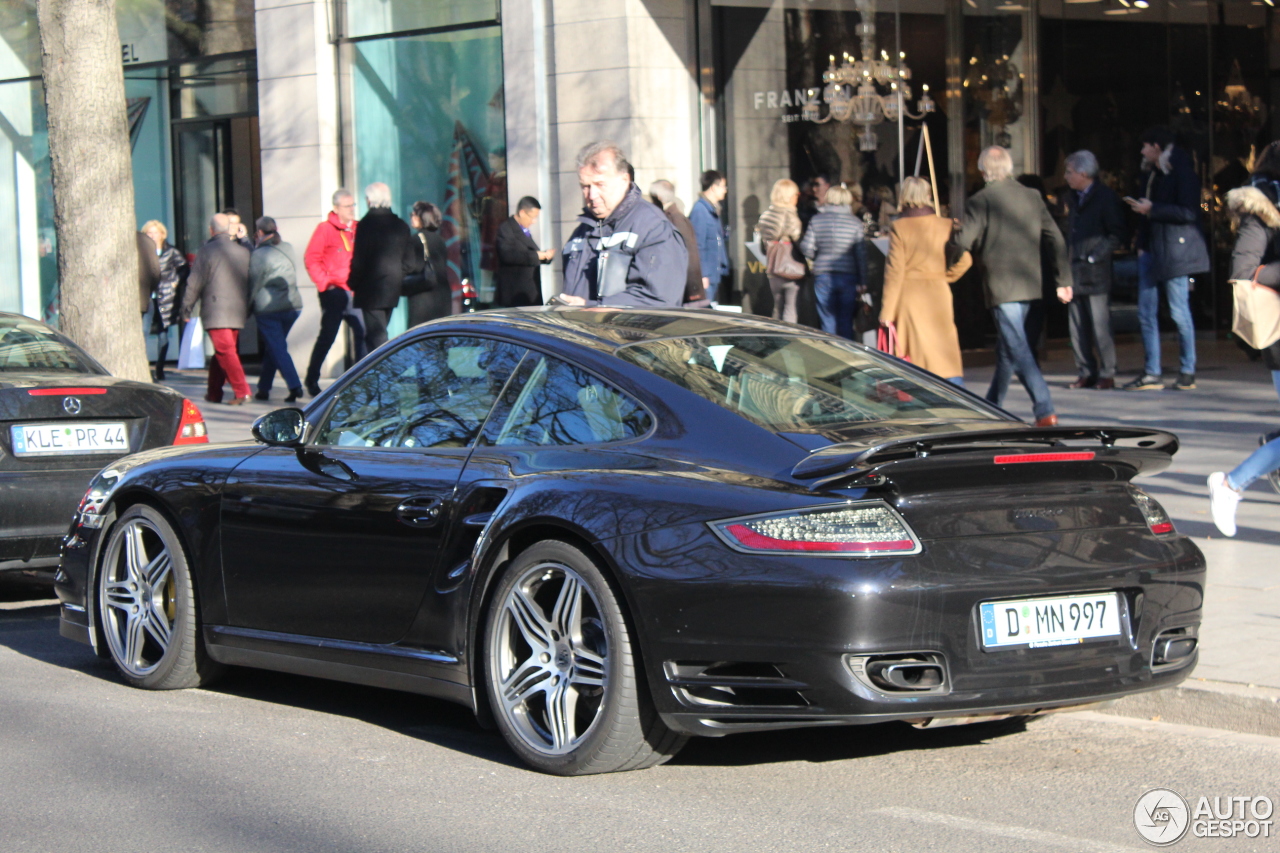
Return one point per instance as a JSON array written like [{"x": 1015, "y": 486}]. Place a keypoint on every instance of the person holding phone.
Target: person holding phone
[{"x": 1171, "y": 249}]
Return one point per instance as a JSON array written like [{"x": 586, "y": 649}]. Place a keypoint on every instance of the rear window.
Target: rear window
[
  {"x": 797, "y": 384},
  {"x": 26, "y": 346}
]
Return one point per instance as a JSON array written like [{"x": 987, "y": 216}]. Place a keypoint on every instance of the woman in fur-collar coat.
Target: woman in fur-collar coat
[{"x": 1258, "y": 236}]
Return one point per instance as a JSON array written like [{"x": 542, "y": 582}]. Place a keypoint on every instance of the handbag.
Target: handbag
[
  {"x": 1255, "y": 314},
  {"x": 191, "y": 350},
  {"x": 417, "y": 282},
  {"x": 781, "y": 262}
]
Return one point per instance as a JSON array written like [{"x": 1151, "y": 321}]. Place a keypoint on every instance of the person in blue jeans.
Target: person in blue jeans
[
  {"x": 705, "y": 217},
  {"x": 1227, "y": 489},
  {"x": 275, "y": 302},
  {"x": 834, "y": 243},
  {"x": 1171, "y": 249}
]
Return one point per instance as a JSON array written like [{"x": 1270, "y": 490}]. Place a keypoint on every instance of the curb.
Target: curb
[{"x": 1249, "y": 709}]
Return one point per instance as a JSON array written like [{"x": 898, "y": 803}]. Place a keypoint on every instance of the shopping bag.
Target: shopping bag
[
  {"x": 887, "y": 340},
  {"x": 191, "y": 350},
  {"x": 1255, "y": 313}
]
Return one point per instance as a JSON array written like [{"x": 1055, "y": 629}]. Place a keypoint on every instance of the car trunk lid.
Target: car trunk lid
[
  {"x": 984, "y": 481},
  {"x": 147, "y": 413}
]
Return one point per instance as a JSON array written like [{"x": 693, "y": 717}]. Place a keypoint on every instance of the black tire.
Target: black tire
[
  {"x": 147, "y": 605},
  {"x": 560, "y": 672}
]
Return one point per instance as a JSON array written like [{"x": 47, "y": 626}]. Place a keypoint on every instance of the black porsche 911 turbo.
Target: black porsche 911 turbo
[
  {"x": 608, "y": 530},
  {"x": 62, "y": 418}
]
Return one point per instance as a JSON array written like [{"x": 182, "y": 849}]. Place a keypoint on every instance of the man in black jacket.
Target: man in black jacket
[
  {"x": 624, "y": 252},
  {"x": 1171, "y": 249},
  {"x": 1095, "y": 230},
  {"x": 517, "y": 281},
  {"x": 383, "y": 254}
]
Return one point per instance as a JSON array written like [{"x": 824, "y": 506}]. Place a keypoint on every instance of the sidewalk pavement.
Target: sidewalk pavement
[{"x": 1237, "y": 682}]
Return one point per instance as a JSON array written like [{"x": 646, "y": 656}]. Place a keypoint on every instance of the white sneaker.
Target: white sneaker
[{"x": 1222, "y": 502}]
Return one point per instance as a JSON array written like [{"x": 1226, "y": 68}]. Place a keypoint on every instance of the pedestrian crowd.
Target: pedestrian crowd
[{"x": 645, "y": 249}]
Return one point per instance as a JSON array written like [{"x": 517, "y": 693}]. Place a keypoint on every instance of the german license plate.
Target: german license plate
[
  {"x": 1041, "y": 622},
  {"x": 69, "y": 438}
]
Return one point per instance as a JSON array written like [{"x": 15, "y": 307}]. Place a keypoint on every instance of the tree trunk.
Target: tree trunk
[{"x": 92, "y": 172}]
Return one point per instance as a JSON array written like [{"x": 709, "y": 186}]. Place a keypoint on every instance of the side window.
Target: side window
[
  {"x": 553, "y": 403},
  {"x": 434, "y": 392}
]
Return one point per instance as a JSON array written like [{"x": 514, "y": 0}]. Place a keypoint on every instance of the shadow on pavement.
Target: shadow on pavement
[
  {"x": 1207, "y": 530},
  {"x": 454, "y": 727},
  {"x": 433, "y": 720}
]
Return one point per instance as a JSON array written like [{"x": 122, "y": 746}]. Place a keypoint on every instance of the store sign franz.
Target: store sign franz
[{"x": 784, "y": 99}]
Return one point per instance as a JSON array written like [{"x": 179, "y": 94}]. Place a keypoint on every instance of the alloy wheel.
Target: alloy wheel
[
  {"x": 138, "y": 597},
  {"x": 549, "y": 658}
]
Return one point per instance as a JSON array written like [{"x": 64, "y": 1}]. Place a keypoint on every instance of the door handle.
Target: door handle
[{"x": 422, "y": 511}]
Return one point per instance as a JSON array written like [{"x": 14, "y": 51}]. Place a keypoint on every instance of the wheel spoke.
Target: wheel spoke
[
  {"x": 157, "y": 625},
  {"x": 565, "y": 615},
  {"x": 529, "y": 619},
  {"x": 523, "y": 682},
  {"x": 135, "y": 553},
  {"x": 157, "y": 571},
  {"x": 117, "y": 594},
  {"x": 588, "y": 668},
  {"x": 134, "y": 638},
  {"x": 562, "y": 705}
]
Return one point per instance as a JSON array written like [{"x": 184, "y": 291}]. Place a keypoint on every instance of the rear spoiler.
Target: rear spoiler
[{"x": 857, "y": 459}]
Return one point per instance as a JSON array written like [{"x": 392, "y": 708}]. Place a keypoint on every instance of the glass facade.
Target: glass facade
[
  {"x": 28, "y": 269},
  {"x": 377, "y": 17},
  {"x": 1041, "y": 77},
  {"x": 779, "y": 122},
  {"x": 176, "y": 70},
  {"x": 427, "y": 119}
]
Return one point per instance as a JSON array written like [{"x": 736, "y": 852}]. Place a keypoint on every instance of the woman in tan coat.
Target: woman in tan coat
[{"x": 917, "y": 292}]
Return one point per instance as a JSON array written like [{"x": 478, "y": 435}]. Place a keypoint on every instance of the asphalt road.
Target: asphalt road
[{"x": 267, "y": 762}]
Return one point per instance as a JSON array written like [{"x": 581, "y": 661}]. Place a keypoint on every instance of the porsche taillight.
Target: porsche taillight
[
  {"x": 191, "y": 428},
  {"x": 856, "y": 529},
  {"x": 1155, "y": 516}
]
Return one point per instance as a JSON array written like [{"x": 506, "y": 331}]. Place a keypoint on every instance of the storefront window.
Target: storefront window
[
  {"x": 428, "y": 121},
  {"x": 1200, "y": 69},
  {"x": 146, "y": 93},
  {"x": 150, "y": 31},
  {"x": 999, "y": 98},
  {"x": 375, "y": 17},
  {"x": 779, "y": 122},
  {"x": 28, "y": 270}
]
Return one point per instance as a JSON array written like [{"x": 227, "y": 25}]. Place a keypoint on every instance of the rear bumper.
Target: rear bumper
[
  {"x": 705, "y": 725},
  {"x": 36, "y": 506},
  {"x": 735, "y": 642}
]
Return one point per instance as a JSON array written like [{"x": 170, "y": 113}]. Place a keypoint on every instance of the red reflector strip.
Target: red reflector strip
[
  {"x": 751, "y": 539},
  {"x": 1019, "y": 458},
  {"x": 1164, "y": 527},
  {"x": 58, "y": 392}
]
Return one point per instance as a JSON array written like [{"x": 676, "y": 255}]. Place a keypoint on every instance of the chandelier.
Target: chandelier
[
  {"x": 996, "y": 87},
  {"x": 865, "y": 91}
]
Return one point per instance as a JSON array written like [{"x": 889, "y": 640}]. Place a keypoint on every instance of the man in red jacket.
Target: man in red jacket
[{"x": 328, "y": 262}]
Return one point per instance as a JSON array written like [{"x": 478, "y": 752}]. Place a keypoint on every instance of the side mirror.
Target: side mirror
[{"x": 281, "y": 428}]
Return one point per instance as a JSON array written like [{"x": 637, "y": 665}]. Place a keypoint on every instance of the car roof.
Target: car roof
[{"x": 610, "y": 328}]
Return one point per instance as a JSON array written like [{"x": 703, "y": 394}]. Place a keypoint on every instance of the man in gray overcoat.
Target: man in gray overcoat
[
  {"x": 219, "y": 281},
  {"x": 1006, "y": 223}
]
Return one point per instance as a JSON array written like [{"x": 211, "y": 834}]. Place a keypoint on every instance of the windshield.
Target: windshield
[
  {"x": 798, "y": 384},
  {"x": 26, "y": 346}
]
